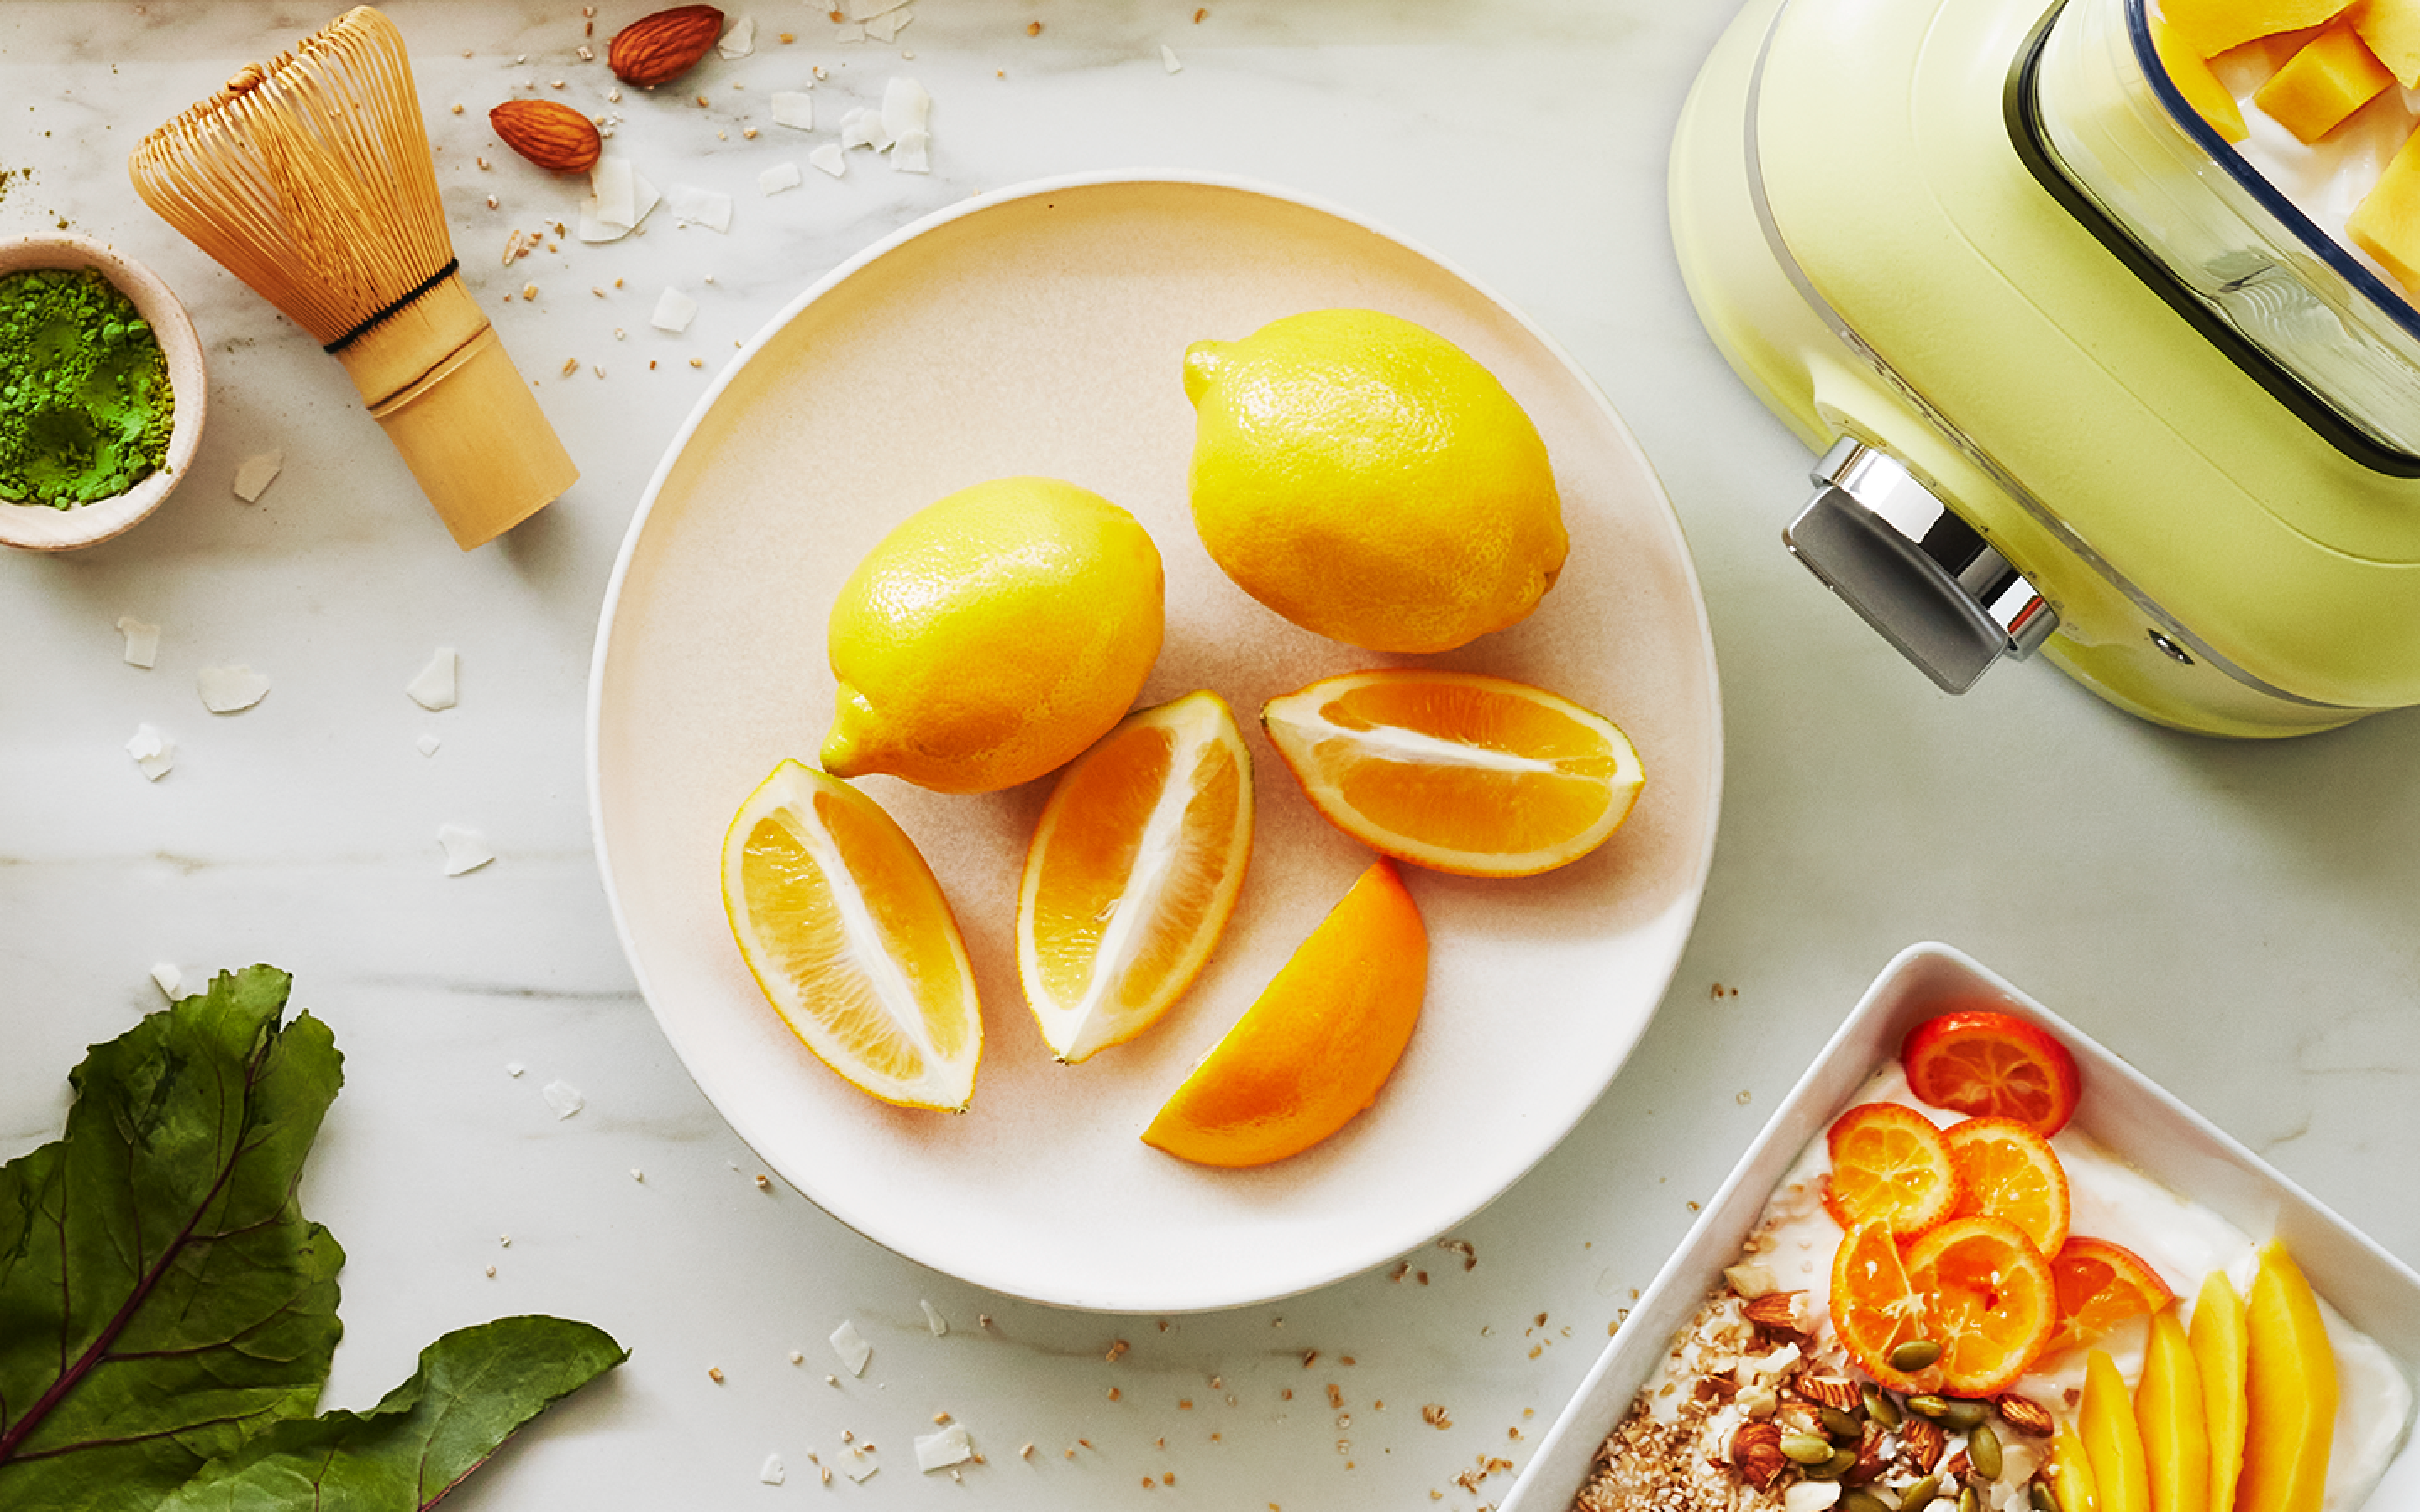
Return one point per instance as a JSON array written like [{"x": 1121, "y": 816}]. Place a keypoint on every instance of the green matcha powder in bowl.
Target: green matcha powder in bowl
[{"x": 100, "y": 392}]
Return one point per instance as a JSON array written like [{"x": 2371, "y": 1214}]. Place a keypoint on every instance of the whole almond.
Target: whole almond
[
  {"x": 660, "y": 48},
  {"x": 2026, "y": 1416},
  {"x": 1755, "y": 1449},
  {"x": 548, "y": 132},
  {"x": 1774, "y": 1309}
]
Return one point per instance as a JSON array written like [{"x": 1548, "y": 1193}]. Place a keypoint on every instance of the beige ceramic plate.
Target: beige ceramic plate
[{"x": 1040, "y": 331}]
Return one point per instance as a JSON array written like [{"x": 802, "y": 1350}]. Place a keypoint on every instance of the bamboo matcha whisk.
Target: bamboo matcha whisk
[{"x": 309, "y": 179}]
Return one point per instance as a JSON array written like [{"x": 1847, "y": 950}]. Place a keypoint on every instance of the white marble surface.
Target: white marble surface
[{"x": 2236, "y": 919}]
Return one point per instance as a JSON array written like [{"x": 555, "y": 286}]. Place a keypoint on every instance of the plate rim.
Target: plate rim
[{"x": 1682, "y": 910}]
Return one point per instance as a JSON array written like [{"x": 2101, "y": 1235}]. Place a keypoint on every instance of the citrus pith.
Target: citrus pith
[
  {"x": 1133, "y": 874},
  {"x": 847, "y": 932},
  {"x": 1457, "y": 771}
]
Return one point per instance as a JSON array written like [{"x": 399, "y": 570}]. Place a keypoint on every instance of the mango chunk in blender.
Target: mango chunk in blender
[
  {"x": 2324, "y": 82},
  {"x": 2215, "y": 26},
  {"x": 2391, "y": 29},
  {"x": 2191, "y": 74},
  {"x": 2386, "y": 223}
]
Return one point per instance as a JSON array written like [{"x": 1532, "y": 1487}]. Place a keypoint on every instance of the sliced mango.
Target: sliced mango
[
  {"x": 2122, "y": 1476},
  {"x": 2327, "y": 81},
  {"x": 2291, "y": 1391},
  {"x": 2215, "y": 26},
  {"x": 2191, "y": 74},
  {"x": 2386, "y": 223},
  {"x": 2070, "y": 1472},
  {"x": 2391, "y": 29},
  {"x": 2218, "y": 1344},
  {"x": 2176, "y": 1427}
]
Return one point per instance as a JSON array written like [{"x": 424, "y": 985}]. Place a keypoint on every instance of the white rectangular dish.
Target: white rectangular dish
[{"x": 2121, "y": 1109}]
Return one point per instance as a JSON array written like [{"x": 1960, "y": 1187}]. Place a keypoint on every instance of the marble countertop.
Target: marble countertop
[{"x": 2234, "y": 918}]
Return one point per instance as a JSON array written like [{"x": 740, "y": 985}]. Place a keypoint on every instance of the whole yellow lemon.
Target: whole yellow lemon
[
  {"x": 992, "y": 636},
  {"x": 1371, "y": 481}
]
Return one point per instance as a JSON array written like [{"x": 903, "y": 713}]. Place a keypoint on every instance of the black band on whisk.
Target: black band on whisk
[{"x": 453, "y": 265}]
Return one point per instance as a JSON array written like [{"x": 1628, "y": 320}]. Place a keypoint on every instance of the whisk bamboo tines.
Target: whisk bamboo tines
[{"x": 309, "y": 178}]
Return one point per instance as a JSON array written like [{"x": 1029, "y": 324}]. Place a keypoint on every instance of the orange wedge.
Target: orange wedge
[
  {"x": 2006, "y": 1170},
  {"x": 848, "y": 935},
  {"x": 1319, "y": 1042},
  {"x": 1133, "y": 874},
  {"x": 1989, "y": 1301},
  {"x": 1456, "y": 771}
]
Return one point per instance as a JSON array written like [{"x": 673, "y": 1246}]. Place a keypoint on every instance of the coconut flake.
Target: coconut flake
[
  {"x": 795, "y": 109},
  {"x": 426, "y": 744},
  {"x": 154, "y": 753},
  {"x": 853, "y": 31},
  {"x": 887, "y": 26},
  {"x": 741, "y": 39},
  {"x": 615, "y": 185},
  {"x": 906, "y": 107},
  {"x": 933, "y": 1318},
  {"x": 255, "y": 474},
  {"x": 940, "y": 1451},
  {"x": 772, "y": 1475},
  {"x": 171, "y": 979},
  {"x": 830, "y": 158},
  {"x": 619, "y": 201},
  {"x": 466, "y": 849},
  {"x": 232, "y": 689},
  {"x": 563, "y": 1097},
  {"x": 142, "y": 640},
  {"x": 912, "y": 153},
  {"x": 437, "y": 685},
  {"x": 673, "y": 311},
  {"x": 778, "y": 177},
  {"x": 692, "y": 205},
  {"x": 1168, "y": 59},
  {"x": 851, "y": 1347},
  {"x": 862, "y": 128}
]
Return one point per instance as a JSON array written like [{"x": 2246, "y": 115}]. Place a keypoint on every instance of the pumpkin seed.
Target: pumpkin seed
[
  {"x": 1984, "y": 1449},
  {"x": 1914, "y": 1354},
  {"x": 1806, "y": 1448}
]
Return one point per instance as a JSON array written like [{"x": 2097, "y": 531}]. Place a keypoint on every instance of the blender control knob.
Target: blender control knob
[{"x": 1913, "y": 569}]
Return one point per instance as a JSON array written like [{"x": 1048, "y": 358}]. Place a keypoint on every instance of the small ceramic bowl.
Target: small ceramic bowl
[{"x": 42, "y": 527}]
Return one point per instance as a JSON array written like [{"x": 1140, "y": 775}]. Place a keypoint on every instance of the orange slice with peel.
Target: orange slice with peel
[
  {"x": 2101, "y": 1285},
  {"x": 1875, "y": 1309},
  {"x": 1982, "y": 1061},
  {"x": 2006, "y": 1171},
  {"x": 1134, "y": 871},
  {"x": 1457, "y": 771},
  {"x": 1990, "y": 1301},
  {"x": 1889, "y": 1164},
  {"x": 1319, "y": 1042},
  {"x": 846, "y": 931}
]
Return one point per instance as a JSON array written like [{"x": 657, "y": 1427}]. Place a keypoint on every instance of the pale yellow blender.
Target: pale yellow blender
[{"x": 2081, "y": 380}]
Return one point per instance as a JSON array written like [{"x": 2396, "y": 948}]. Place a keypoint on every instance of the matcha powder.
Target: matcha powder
[{"x": 85, "y": 405}]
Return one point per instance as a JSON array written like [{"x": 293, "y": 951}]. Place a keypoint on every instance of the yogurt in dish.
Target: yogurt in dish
[{"x": 1755, "y": 1370}]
